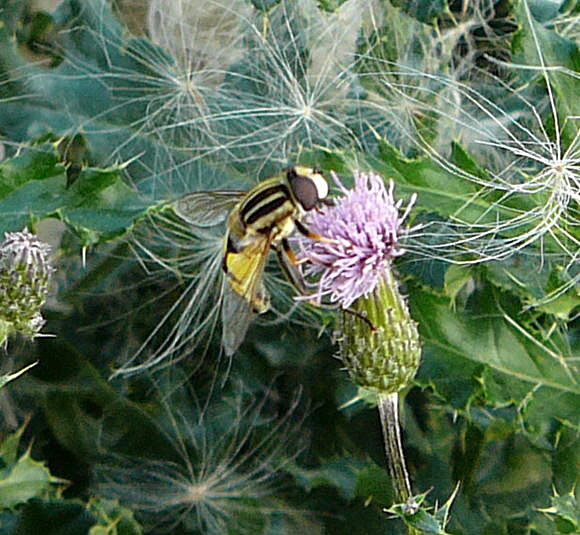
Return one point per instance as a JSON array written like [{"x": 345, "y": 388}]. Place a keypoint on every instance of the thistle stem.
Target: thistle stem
[{"x": 389, "y": 413}]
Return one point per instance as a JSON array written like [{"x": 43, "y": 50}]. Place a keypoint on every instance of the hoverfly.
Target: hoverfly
[{"x": 258, "y": 221}]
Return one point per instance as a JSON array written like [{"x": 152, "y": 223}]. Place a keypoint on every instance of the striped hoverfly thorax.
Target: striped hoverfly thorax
[
  {"x": 279, "y": 199},
  {"x": 269, "y": 203}
]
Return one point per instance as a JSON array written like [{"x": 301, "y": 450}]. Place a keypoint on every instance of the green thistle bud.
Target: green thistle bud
[
  {"x": 380, "y": 348},
  {"x": 24, "y": 279}
]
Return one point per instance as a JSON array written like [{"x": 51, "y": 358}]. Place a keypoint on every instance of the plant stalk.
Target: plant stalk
[{"x": 389, "y": 414}]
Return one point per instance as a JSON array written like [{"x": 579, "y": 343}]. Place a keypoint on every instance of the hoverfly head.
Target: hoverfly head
[{"x": 308, "y": 186}]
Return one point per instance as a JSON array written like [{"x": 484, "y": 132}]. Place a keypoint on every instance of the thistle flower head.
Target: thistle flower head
[
  {"x": 24, "y": 249},
  {"x": 362, "y": 229},
  {"x": 24, "y": 278},
  {"x": 378, "y": 340}
]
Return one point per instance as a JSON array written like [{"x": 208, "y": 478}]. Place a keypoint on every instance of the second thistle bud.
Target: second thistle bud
[
  {"x": 24, "y": 279},
  {"x": 380, "y": 348}
]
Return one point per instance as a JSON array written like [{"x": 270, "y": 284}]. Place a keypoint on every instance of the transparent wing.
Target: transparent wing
[
  {"x": 237, "y": 314},
  {"x": 207, "y": 208},
  {"x": 245, "y": 295}
]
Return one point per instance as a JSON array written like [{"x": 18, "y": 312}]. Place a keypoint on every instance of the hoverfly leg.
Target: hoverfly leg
[
  {"x": 312, "y": 235},
  {"x": 360, "y": 315},
  {"x": 363, "y": 317},
  {"x": 289, "y": 264},
  {"x": 289, "y": 252}
]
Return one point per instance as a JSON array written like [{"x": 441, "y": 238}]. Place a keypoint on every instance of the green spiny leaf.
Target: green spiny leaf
[
  {"x": 26, "y": 480},
  {"x": 11, "y": 376},
  {"x": 112, "y": 519}
]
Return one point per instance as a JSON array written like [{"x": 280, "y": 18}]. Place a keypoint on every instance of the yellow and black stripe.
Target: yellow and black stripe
[{"x": 269, "y": 203}]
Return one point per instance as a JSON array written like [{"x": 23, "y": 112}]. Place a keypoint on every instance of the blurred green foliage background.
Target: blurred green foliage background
[{"x": 131, "y": 422}]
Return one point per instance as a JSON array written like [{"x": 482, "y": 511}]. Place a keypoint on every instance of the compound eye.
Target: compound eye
[{"x": 304, "y": 189}]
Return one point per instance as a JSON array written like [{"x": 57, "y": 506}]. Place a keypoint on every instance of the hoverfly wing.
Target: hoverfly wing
[
  {"x": 207, "y": 208},
  {"x": 237, "y": 314},
  {"x": 245, "y": 295}
]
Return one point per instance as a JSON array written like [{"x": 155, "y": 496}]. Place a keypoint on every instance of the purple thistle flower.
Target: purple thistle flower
[
  {"x": 378, "y": 340},
  {"x": 362, "y": 231}
]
